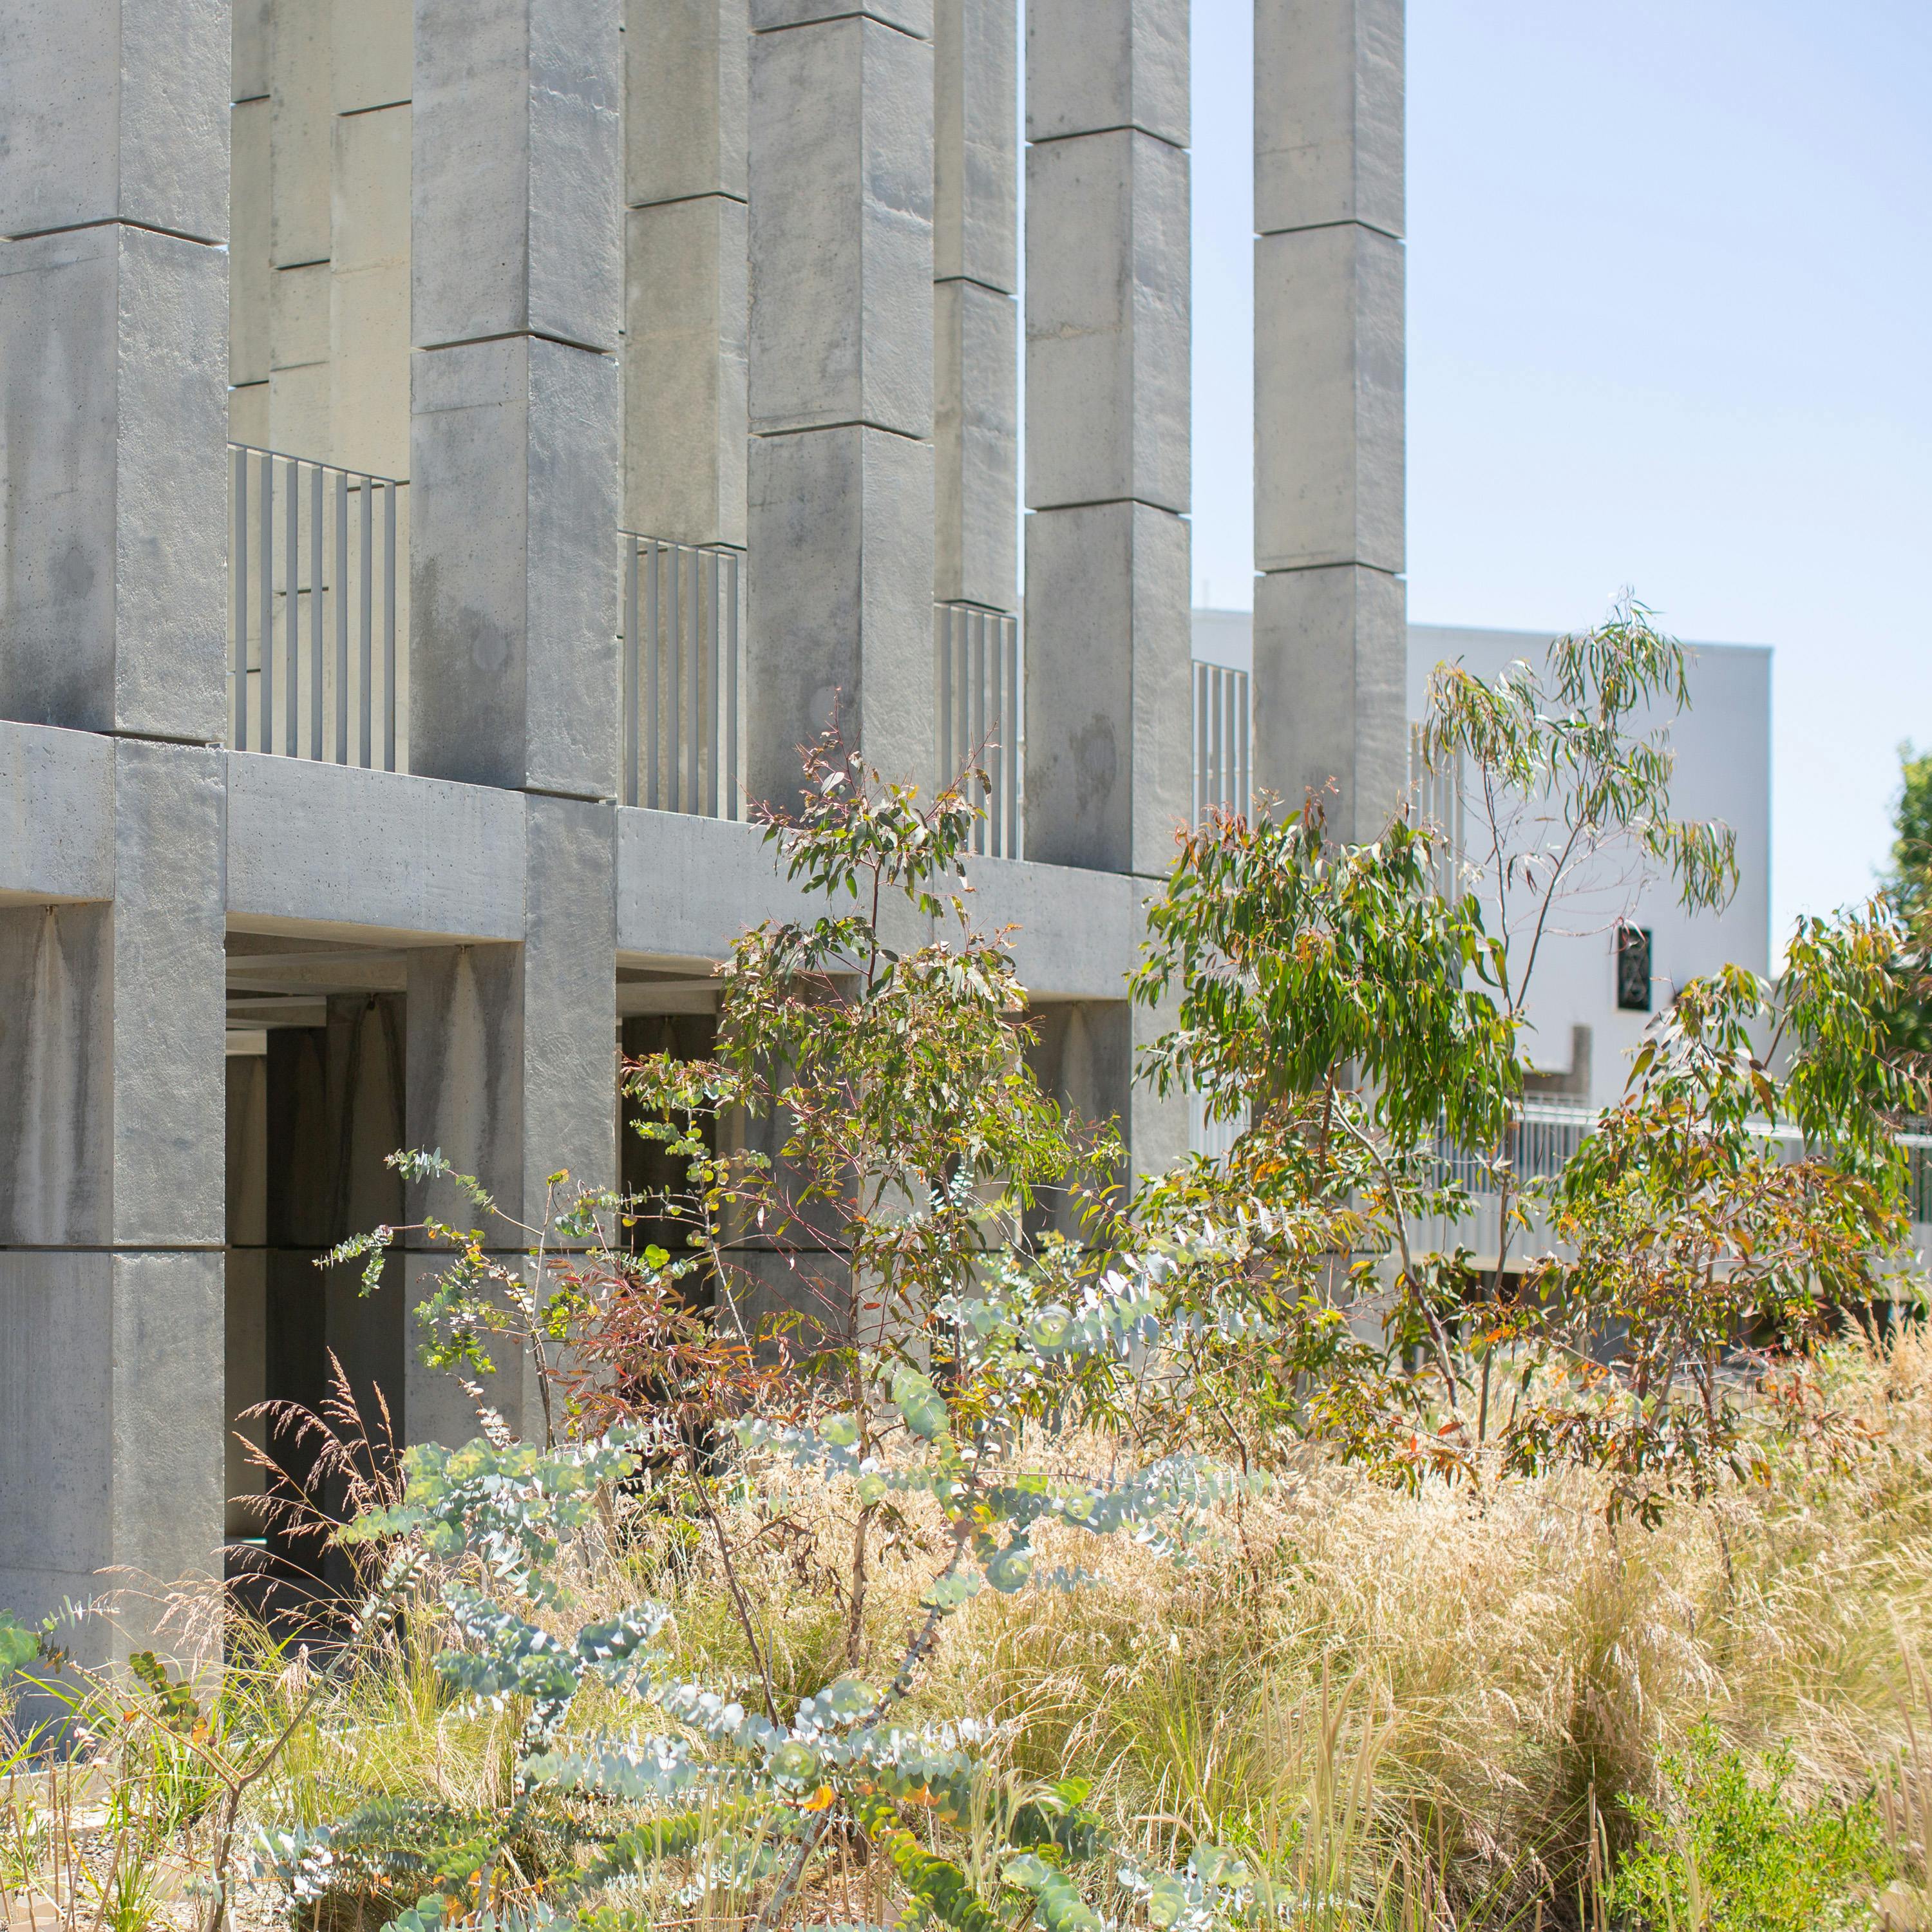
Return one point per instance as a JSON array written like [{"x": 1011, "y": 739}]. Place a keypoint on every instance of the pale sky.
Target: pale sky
[{"x": 1669, "y": 285}]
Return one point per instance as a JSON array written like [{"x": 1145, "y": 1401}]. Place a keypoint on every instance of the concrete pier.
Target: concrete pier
[{"x": 1330, "y": 606}]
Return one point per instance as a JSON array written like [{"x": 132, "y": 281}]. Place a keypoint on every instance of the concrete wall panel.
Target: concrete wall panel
[
  {"x": 301, "y": 50},
  {"x": 248, "y": 270},
  {"x": 369, "y": 293},
  {"x": 372, "y": 45}
]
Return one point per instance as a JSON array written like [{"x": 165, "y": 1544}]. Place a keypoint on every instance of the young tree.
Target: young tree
[{"x": 1366, "y": 1007}]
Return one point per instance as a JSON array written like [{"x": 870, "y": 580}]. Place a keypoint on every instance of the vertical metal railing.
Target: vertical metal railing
[
  {"x": 682, "y": 651},
  {"x": 1223, "y": 768},
  {"x": 315, "y": 659},
  {"x": 981, "y": 715}
]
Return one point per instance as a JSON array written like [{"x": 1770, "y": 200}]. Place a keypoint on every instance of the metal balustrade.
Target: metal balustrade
[
  {"x": 981, "y": 715},
  {"x": 316, "y": 654},
  {"x": 683, "y": 671},
  {"x": 1223, "y": 767}
]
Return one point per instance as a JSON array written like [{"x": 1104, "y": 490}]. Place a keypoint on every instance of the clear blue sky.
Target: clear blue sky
[{"x": 1669, "y": 327}]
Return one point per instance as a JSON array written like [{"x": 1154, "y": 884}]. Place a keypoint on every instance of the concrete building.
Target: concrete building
[{"x": 454, "y": 450}]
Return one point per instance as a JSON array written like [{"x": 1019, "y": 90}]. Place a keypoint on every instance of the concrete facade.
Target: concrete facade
[{"x": 737, "y": 277}]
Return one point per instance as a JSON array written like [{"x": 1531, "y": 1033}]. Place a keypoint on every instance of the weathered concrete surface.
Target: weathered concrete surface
[
  {"x": 841, "y": 602},
  {"x": 685, "y": 408},
  {"x": 976, "y": 444},
  {"x": 112, "y": 611},
  {"x": 1330, "y": 631},
  {"x": 311, "y": 844},
  {"x": 841, "y": 229},
  {"x": 116, "y": 110},
  {"x": 368, "y": 346},
  {"x": 1109, "y": 773},
  {"x": 112, "y": 1201},
  {"x": 1093, "y": 65},
  {"x": 1328, "y": 388},
  {"x": 514, "y": 567},
  {"x": 686, "y": 129},
  {"x": 56, "y": 815},
  {"x": 909, "y": 17},
  {"x": 1328, "y": 114},
  {"x": 517, "y": 171},
  {"x": 975, "y": 173},
  {"x": 1330, "y": 716},
  {"x": 1108, "y": 397}
]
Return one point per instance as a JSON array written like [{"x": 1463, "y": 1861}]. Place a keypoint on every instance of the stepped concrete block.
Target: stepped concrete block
[
  {"x": 686, "y": 100},
  {"x": 372, "y": 43},
  {"x": 684, "y": 371},
  {"x": 116, "y": 110},
  {"x": 113, "y": 356},
  {"x": 1328, "y": 114},
  {"x": 1328, "y": 399},
  {"x": 301, "y": 47},
  {"x": 298, "y": 410},
  {"x": 1107, "y": 322},
  {"x": 841, "y": 603},
  {"x": 369, "y": 293},
  {"x": 248, "y": 49},
  {"x": 248, "y": 269},
  {"x": 248, "y": 415},
  {"x": 1331, "y": 652},
  {"x": 1108, "y": 766},
  {"x": 516, "y": 171},
  {"x": 976, "y": 186},
  {"x": 514, "y": 567},
  {"x": 976, "y": 444},
  {"x": 1095, "y": 65},
  {"x": 298, "y": 318},
  {"x": 841, "y": 229}
]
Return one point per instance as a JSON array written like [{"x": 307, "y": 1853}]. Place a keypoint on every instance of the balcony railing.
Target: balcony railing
[
  {"x": 316, "y": 654},
  {"x": 683, "y": 660},
  {"x": 1223, "y": 768},
  {"x": 981, "y": 714}
]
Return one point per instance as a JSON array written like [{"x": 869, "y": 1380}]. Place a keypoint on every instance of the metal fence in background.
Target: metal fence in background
[
  {"x": 683, "y": 660},
  {"x": 1223, "y": 769},
  {"x": 314, "y": 653},
  {"x": 981, "y": 714}
]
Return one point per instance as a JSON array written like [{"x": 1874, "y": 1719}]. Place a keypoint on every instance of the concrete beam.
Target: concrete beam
[
  {"x": 311, "y": 844},
  {"x": 56, "y": 815}
]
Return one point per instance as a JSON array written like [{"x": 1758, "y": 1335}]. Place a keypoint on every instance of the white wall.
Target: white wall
[{"x": 1723, "y": 746}]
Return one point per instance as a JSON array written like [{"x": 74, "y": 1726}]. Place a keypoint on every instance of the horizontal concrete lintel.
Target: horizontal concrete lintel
[
  {"x": 56, "y": 815},
  {"x": 312, "y": 845}
]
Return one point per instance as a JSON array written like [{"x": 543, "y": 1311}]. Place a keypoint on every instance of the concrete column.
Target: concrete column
[
  {"x": 112, "y": 1204},
  {"x": 512, "y": 1071},
  {"x": 516, "y": 296},
  {"x": 840, "y": 520},
  {"x": 1331, "y": 629},
  {"x": 976, "y": 320},
  {"x": 686, "y": 269},
  {"x": 1107, "y": 763},
  {"x": 113, "y": 295}
]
